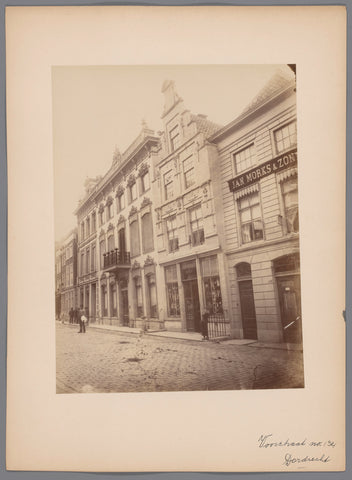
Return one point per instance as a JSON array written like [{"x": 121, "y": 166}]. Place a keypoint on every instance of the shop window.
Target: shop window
[
  {"x": 168, "y": 185},
  {"x": 289, "y": 190},
  {"x": 145, "y": 182},
  {"x": 175, "y": 139},
  {"x": 211, "y": 285},
  {"x": 245, "y": 159},
  {"x": 152, "y": 295},
  {"x": 286, "y": 137},
  {"x": 196, "y": 226},
  {"x": 139, "y": 296},
  {"x": 188, "y": 172},
  {"x": 251, "y": 219},
  {"x": 172, "y": 294},
  {"x": 134, "y": 236},
  {"x": 147, "y": 233},
  {"x": 172, "y": 234}
]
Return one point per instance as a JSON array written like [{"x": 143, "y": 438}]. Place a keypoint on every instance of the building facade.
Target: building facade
[
  {"x": 116, "y": 249},
  {"x": 68, "y": 255},
  {"x": 188, "y": 208},
  {"x": 258, "y": 166}
]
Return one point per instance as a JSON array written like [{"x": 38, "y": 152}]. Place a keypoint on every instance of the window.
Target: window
[
  {"x": 88, "y": 227},
  {"x": 139, "y": 296},
  {"x": 82, "y": 231},
  {"x": 101, "y": 217},
  {"x": 102, "y": 251},
  {"x": 174, "y": 138},
  {"x": 145, "y": 182},
  {"x": 172, "y": 234},
  {"x": 111, "y": 243},
  {"x": 196, "y": 225},
  {"x": 286, "y": 137},
  {"x": 82, "y": 263},
  {"x": 172, "y": 295},
  {"x": 71, "y": 274},
  {"x": 110, "y": 210},
  {"x": 133, "y": 191},
  {"x": 211, "y": 285},
  {"x": 93, "y": 258},
  {"x": 168, "y": 185},
  {"x": 152, "y": 295},
  {"x": 121, "y": 202},
  {"x": 87, "y": 261},
  {"x": 147, "y": 233},
  {"x": 250, "y": 217},
  {"x": 134, "y": 236},
  {"x": 289, "y": 190},
  {"x": 245, "y": 159},
  {"x": 94, "y": 222},
  {"x": 188, "y": 172}
]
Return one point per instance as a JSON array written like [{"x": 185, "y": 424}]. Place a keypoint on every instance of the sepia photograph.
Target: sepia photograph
[{"x": 177, "y": 259}]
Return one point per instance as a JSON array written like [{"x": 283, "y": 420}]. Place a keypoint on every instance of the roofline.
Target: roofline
[
  {"x": 246, "y": 116},
  {"x": 111, "y": 172}
]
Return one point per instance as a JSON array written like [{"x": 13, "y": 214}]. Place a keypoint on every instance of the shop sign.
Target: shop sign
[{"x": 275, "y": 165}]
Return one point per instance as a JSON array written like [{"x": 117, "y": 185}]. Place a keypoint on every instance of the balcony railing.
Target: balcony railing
[{"x": 116, "y": 258}]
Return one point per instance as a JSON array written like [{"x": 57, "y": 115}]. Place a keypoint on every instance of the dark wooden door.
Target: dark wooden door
[
  {"x": 192, "y": 306},
  {"x": 290, "y": 307},
  {"x": 249, "y": 321},
  {"x": 124, "y": 298}
]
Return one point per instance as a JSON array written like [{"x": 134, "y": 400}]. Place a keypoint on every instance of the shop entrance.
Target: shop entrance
[
  {"x": 249, "y": 321},
  {"x": 191, "y": 295},
  {"x": 288, "y": 279},
  {"x": 192, "y": 306},
  {"x": 290, "y": 307}
]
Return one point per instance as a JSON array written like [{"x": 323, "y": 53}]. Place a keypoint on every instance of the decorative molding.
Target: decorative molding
[
  {"x": 102, "y": 233},
  {"x": 133, "y": 211},
  {"x": 146, "y": 201},
  {"x": 121, "y": 219},
  {"x": 119, "y": 191},
  {"x": 109, "y": 200},
  {"x": 136, "y": 265},
  {"x": 110, "y": 227},
  {"x": 101, "y": 208},
  {"x": 148, "y": 261},
  {"x": 143, "y": 169},
  {"x": 131, "y": 180}
]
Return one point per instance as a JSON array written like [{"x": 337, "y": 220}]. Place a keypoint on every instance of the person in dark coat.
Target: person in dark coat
[
  {"x": 80, "y": 314},
  {"x": 204, "y": 324}
]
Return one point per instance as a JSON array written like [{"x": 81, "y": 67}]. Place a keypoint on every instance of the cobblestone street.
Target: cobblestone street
[{"x": 105, "y": 361}]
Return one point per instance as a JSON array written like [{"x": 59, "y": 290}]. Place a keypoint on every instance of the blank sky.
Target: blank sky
[{"x": 96, "y": 109}]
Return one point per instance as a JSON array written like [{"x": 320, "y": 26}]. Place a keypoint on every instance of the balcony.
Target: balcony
[{"x": 116, "y": 258}]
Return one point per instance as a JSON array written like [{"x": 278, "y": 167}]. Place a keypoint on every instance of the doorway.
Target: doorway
[
  {"x": 249, "y": 320},
  {"x": 290, "y": 307},
  {"x": 192, "y": 306}
]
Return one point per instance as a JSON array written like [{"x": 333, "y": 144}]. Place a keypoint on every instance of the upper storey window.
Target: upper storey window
[
  {"x": 145, "y": 182},
  {"x": 168, "y": 185},
  {"x": 188, "y": 172},
  {"x": 286, "y": 137},
  {"x": 245, "y": 159},
  {"x": 175, "y": 139}
]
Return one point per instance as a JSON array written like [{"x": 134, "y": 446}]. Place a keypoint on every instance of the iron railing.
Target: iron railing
[
  {"x": 116, "y": 257},
  {"x": 218, "y": 326}
]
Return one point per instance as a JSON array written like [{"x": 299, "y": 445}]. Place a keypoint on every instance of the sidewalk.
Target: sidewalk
[{"x": 192, "y": 336}]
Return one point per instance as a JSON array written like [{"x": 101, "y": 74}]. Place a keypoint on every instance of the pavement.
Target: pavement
[{"x": 122, "y": 359}]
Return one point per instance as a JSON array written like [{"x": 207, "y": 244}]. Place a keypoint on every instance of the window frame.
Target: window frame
[
  {"x": 168, "y": 196},
  {"x": 280, "y": 128},
  {"x": 189, "y": 170},
  {"x": 252, "y": 156},
  {"x": 252, "y": 220},
  {"x": 197, "y": 236},
  {"x": 175, "y": 144}
]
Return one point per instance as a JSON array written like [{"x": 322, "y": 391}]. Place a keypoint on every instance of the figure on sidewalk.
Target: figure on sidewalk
[
  {"x": 80, "y": 315},
  {"x": 204, "y": 324}
]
